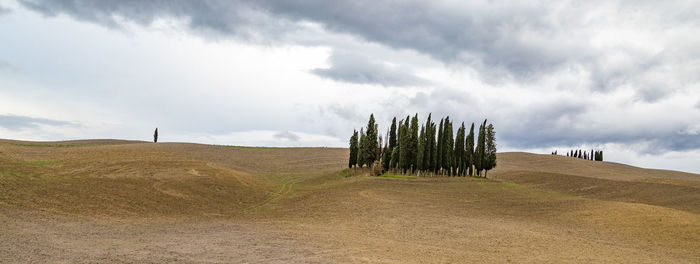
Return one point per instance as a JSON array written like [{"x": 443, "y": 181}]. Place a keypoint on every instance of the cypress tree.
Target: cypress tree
[
  {"x": 440, "y": 138},
  {"x": 448, "y": 147},
  {"x": 397, "y": 148},
  {"x": 428, "y": 144},
  {"x": 353, "y": 149},
  {"x": 479, "y": 154},
  {"x": 490, "y": 149},
  {"x": 469, "y": 150},
  {"x": 392, "y": 134},
  {"x": 459, "y": 151},
  {"x": 421, "y": 149},
  {"x": 413, "y": 158},
  {"x": 394, "y": 158},
  {"x": 409, "y": 146},
  {"x": 404, "y": 141},
  {"x": 155, "y": 136},
  {"x": 361, "y": 150},
  {"x": 433, "y": 148},
  {"x": 371, "y": 141},
  {"x": 386, "y": 157}
]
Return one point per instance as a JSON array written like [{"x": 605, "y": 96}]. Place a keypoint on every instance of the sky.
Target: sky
[{"x": 618, "y": 76}]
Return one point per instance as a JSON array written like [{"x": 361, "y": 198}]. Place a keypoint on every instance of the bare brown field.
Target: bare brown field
[{"x": 119, "y": 201}]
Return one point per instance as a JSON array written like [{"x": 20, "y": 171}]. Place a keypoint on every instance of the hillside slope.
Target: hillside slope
[
  {"x": 520, "y": 161},
  {"x": 128, "y": 178},
  {"x": 601, "y": 180},
  {"x": 107, "y": 201}
]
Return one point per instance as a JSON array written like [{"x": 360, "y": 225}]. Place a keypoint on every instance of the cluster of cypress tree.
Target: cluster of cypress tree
[
  {"x": 596, "y": 155},
  {"x": 434, "y": 149},
  {"x": 364, "y": 151}
]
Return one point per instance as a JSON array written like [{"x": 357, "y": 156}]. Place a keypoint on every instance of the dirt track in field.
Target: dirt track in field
[{"x": 113, "y": 201}]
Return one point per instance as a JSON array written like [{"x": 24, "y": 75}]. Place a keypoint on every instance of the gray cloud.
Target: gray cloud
[
  {"x": 345, "y": 112},
  {"x": 552, "y": 122},
  {"x": 513, "y": 39},
  {"x": 287, "y": 136},
  {"x": 356, "y": 68},
  {"x": 7, "y": 66},
  {"x": 4, "y": 10},
  {"x": 631, "y": 54},
  {"x": 16, "y": 122}
]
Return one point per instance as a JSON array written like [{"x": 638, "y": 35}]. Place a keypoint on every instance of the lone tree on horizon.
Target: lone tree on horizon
[{"x": 155, "y": 136}]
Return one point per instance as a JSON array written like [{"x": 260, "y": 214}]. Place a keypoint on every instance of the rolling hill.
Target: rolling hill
[{"x": 145, "y": 202}]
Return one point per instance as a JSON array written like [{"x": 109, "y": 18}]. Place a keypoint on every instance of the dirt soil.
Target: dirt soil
[{"x": 134, "y": 202}]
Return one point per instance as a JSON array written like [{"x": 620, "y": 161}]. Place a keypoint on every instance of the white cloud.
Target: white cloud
[{"x": 546, "y": 74}]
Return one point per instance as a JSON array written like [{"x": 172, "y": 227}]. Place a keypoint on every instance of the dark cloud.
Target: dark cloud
[
  {"x": 356, "y": 68},
  {"x": 230, "y": 18},
  {"x": 520, "y": 42},
  {"x": 15, "y": 122},
  {"x": 287, "y": 136},
  {"x": 511, "y": 39}
]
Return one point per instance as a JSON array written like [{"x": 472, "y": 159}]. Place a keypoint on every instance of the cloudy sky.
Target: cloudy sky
[{"x": 622, "y": 76}]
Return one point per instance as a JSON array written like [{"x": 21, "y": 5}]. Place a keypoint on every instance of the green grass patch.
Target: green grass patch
[
  {"x": 41, "y": 162},
  {"x": 8, "y": 173},
  {"x": 394, "y": 176}
]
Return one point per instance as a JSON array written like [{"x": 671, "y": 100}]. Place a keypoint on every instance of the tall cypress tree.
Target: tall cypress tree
[
  {"x": 440, "y": 140},
  {"x": 392, "y": 134},
  {"x": 404, "y": 141},
  {"x": 353, "y": 149},
  {"x": 361, "y": 149},
  {"x": 428, "y": 147},
  {"x": 433, "y": 148},
  {"x": 469, "y": 151},
  {"x": 371, "y": 141},
  {"x": 448, "y": 147},
  {"x": 421, "y": 149},
  {"x": 409, "y": 143},
  {"x": 480, "y": 152},
  {"x": 413, "y": 158},
  {"x": 459, "y": 151},
  {"x": 490, "y": 149},
  {"x": 396, "y": 153}
]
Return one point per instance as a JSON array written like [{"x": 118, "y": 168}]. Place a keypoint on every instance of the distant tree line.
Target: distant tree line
[
  {"x": 432, "y": 149},
  {"x": 595, "y": 155}
]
